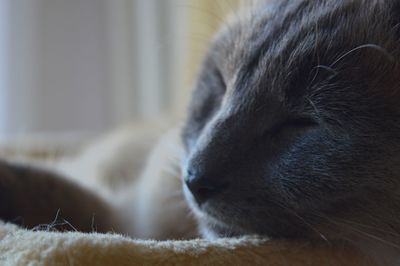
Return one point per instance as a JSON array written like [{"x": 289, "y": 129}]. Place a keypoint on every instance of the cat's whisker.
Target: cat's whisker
[
  {"x": 313, "y": 106},
  {"x": 375, "y": 237},
  {"x": 359, "y": 232},
  {"x": 365, "y": 46},
  {"x": 323, "y": 237},
  {"x": 376, "y": 228},
  {"x": 327, "y": 68}
]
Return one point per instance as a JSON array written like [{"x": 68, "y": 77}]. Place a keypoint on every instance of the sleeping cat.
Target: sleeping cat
[{"x": 293, "y": 131}]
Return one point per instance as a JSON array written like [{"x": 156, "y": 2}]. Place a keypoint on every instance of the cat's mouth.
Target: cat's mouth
[
  {"x": 200, "y": 210},
  {"x": 221, "y": 219},
  {"x": 197, "y": 209}
]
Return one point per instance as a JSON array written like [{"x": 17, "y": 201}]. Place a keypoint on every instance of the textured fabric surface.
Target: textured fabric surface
[{"x": 22, "y": 247}]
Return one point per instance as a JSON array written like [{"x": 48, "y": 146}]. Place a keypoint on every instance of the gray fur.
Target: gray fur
[{"x": 296, "y": 111}]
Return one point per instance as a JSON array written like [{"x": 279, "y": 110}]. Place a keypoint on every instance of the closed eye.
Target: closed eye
[
  {"x": 295, "y": 124},
  {"x": 301, "y": 122}
]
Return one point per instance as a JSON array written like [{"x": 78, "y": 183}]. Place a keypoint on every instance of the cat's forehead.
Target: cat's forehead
[{"x": 273, "y": 40}]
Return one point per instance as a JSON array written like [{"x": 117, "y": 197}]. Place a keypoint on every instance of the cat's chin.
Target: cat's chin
[
  {"x": 210, "y": 227},
  {"x": 213, "y": 224}
]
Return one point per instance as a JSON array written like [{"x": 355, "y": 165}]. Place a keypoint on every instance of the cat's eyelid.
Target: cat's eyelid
[
  {"x": 294, "y": 123},
  {"x": 302, "y": 121}
]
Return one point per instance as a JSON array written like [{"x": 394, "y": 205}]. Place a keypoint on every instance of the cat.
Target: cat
[{"x": 293, "y": 129}]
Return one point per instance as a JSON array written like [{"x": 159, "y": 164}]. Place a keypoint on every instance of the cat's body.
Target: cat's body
[
  {"x": 143, "y": 201},
  {"x": 293, "y": 131}
]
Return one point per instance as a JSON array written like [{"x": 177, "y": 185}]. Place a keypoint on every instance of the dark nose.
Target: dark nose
[{"x": 204, "y": 187}]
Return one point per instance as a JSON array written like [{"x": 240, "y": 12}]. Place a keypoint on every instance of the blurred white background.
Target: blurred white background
[{"x": 86, "y": 66}]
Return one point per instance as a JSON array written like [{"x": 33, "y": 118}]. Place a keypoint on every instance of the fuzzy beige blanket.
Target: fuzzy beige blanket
[{"x": 22, "y": 247}]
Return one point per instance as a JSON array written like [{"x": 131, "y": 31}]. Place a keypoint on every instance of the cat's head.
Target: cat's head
[{"x": 294, "y": 126}]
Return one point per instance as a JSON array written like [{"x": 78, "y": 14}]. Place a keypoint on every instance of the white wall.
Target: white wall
[
  {"x": 4, "y": 32},
  {"x": 88, "y": 65}
]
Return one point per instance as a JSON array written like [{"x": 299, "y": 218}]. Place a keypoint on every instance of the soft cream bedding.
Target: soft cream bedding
[{"x": 22, "y": 247}]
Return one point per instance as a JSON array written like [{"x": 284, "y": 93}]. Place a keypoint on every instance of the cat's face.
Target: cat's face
[{"x": 294, "y": 123}]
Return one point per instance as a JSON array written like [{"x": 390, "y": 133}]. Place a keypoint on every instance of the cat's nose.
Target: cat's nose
[{"x": 204, "y": 187}]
